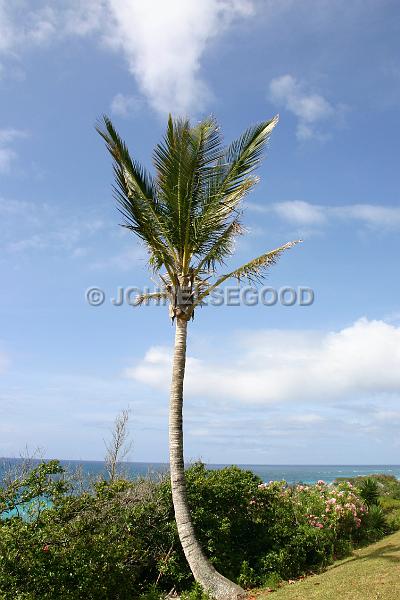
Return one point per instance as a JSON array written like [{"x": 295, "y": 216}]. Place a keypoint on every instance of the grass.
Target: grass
[{"x": 372, "y": 573}]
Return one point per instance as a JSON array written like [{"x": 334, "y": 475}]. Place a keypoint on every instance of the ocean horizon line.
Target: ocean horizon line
[{"x": 246, "y": 464}]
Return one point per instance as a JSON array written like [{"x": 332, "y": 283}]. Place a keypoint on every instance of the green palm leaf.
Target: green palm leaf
[
  {"x": 189, "y": 213},
  {"x": 254, "y": 270}
]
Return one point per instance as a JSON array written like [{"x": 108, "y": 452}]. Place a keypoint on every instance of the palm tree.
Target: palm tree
[{"x": 188, "y": 216}]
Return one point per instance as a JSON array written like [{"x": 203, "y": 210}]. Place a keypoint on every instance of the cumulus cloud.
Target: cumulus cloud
[
  {"x": 268, "y": 367},
  {"x": 162, "y": 42},
  {"x": 310, "y": 108}
]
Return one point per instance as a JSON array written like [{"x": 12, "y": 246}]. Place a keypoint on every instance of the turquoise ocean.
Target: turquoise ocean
[{"x": 289, "y": 473}]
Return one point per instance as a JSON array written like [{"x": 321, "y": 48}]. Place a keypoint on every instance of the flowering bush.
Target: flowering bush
[
  {"x": 122, "y": 535},
  {"x": 325, "y": 506},
  {"x": 336, "y": 509}
]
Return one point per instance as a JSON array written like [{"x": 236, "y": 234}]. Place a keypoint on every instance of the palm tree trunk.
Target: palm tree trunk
[{"x": 213, "y": 582}]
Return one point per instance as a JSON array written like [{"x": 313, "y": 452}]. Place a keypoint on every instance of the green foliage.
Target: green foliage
[
  {"x": 388, "y": 485},
  {"x": 107, "y": 543},
  {"x": 188, "y": 215},
  {"x": 375, "y": 523},
  {"x": 369, "y": 491},
  {"x": 195, "y": 593},
  {"x": 391, "y": 509},
  {"x": 187, "y": 211},
  {"x": 248, "y": 577},
  {"x": 29, "y": 493},
  {"x": 118, "y": 540},
  {"x": 153, "y": 593},
  {"x": 343, "y": 548},
  {"x": 272, "y": 581}
]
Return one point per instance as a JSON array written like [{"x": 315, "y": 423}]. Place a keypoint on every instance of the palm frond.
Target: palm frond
[
  {"x": 145, "y": 298},
  {"x": 137, "y": 178},
  {"x": 184, "y": 161},
  {"x": 218, "y": 215},
  {"x": 189, "y": 214},
  {"x": 227, "y": 185},
  {"x": 243, "y": 156},
  {"x": 254, "y": 270},
  {"x": 136, "y": 196},
  {"x": 221, "y": 247}
]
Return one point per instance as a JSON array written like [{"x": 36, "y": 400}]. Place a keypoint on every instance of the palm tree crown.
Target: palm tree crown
[{"x": 188, "y": 214}]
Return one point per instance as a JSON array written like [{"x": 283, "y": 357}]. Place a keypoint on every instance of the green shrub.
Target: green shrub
[
  {"x": 391, "y": 509},
  {"x": 248, "y": 577},
  {"x": 195, "y": 593},
  {"x": 105, "y": 544},
  {"x": 376, "y": 524},
  {"x": 118, "y": 541},
  {"x": 388, "y": 485},
  {"x": 369, "y": 491},
  {"x": 343, "y": 548},
  {"x": 393, "y": 521},
  {"x": 153, "y": 593},
  {"x": 272, "y": 581}
]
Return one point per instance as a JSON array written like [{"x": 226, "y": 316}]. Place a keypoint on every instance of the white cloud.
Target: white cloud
[
  {"x": 267, "y": 367},
  {"x": 162, "y": 42},
  {"x": 84, "y": 18},
  {"x": 39, "y": 26},
  {"x": 309, "y": 108},
  {"x": 27, "y": 226},
  {"x": 7, "y": 152},
  {"x": 6, "y": 28},
  {"x": 300, "y": 213},
  {"x": 123, "y": 106},
  {"x": 370, "y": 214},
  {"x": 7, "y": 155},
  {"x": 388, "y": 416},
  {"x": 306, "y": 419},
  {"x": 123, "y": 260}
]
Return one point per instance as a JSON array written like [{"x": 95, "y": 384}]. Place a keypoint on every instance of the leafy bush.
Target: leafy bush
[
  {"x": 375, "y": 523},
  {"x": 388, "y": 485},
  {"x": 108, "y": 543},
  {"x": 369, "y": 491},
  {"x": 119, "y": 540},
  {"x": 391, "y": 509},
  {"x": 195, "y": 593}
]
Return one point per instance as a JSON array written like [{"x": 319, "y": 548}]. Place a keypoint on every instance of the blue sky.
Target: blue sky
[{"x": 299, "y": 384}]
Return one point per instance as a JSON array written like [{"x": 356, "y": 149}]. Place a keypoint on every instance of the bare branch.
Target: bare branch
[{"x": 119, "y": 446}]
